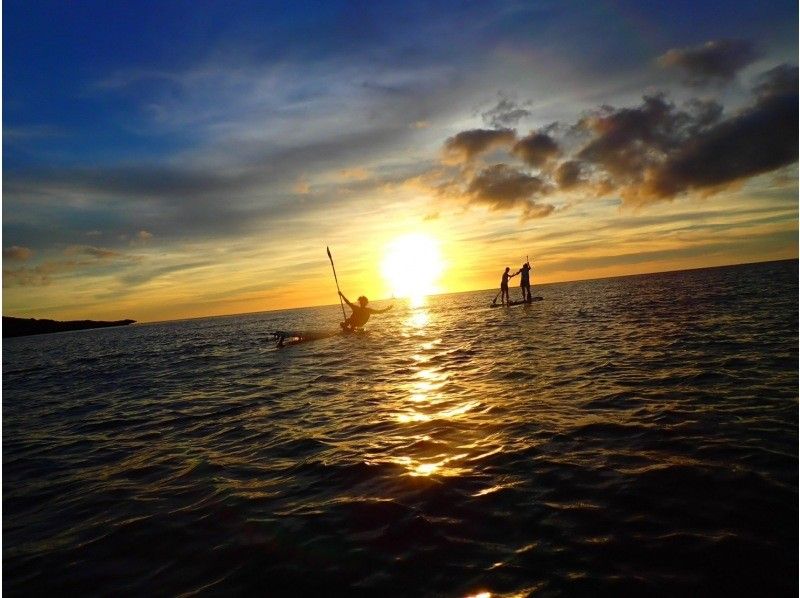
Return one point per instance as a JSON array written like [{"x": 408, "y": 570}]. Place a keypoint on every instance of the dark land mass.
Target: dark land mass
[{"x": 26, "y": 326}]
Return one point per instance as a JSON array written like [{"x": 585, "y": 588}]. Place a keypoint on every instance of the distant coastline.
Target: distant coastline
[{"x": 27, "y": 326}]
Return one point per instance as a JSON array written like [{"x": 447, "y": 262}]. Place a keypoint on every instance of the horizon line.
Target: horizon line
[{"x": 545, "y": 284}]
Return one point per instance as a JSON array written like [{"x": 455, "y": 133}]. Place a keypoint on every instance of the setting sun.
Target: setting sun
[{"x": 412, "y": 266}]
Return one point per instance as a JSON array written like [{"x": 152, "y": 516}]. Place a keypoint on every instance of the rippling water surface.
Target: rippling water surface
[{"x": 629, "y": 436}]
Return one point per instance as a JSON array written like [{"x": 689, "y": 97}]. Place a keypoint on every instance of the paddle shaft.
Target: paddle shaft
[{"x": 330, "y": 257}]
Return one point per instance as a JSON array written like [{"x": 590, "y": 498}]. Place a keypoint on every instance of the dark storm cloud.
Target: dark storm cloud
[
  {"x": 466, "y": 145},
  {"x": 715, "y": 61},
  {"x": 501, "y": 187},
  {"x": 654, "y": 151},
  {"x": 536, "y": 149}
]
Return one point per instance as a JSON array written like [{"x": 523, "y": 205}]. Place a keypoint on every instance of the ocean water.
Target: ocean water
[{"x": 629, "y": 436}]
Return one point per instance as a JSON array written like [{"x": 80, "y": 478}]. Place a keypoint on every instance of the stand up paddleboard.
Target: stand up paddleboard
[
  {"x": 293, "y": 337},
  {"x": 284, "y": 338},
  {"x": 513, "y": 303}
]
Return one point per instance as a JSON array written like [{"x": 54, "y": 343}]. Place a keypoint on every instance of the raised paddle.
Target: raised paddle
[{"x": 330, "y": 257}]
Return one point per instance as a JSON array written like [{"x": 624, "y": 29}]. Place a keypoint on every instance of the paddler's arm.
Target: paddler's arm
[
  {"x": 380, "y": 311},
  {"x": 346, "y": 300}
]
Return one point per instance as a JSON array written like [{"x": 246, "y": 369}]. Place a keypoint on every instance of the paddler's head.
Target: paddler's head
[
  {"x": 362, "y": 301},
  {"x": 507, "y": 269}
]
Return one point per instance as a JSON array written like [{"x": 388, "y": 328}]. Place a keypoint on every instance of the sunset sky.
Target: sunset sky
[{"x": 177, "y": 159}]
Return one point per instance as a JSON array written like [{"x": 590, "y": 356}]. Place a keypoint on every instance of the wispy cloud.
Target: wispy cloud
[
  {"x": 505, "y": 114},
  {"x": 100, "y": 253},
  {"x": 17, "y": 253},
  {"x": 82, "y": 259},
  {"x": 15, "y": 134},
  {"x": 36, "y": 276}
]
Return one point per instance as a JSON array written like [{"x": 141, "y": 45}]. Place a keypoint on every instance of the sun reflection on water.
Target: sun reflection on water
[
  {"x": 438, "y": 432},
  {"x": 426, "y": 469},
  {"x": 418, "y": 319},
  {"x": 423, "y": 392},
  {"x": 438, "y": 465},
  {"x": 427, "y": 400}
]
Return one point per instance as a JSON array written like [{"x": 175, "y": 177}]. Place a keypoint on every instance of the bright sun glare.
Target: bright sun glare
[{"x": 412, "y": 265}]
